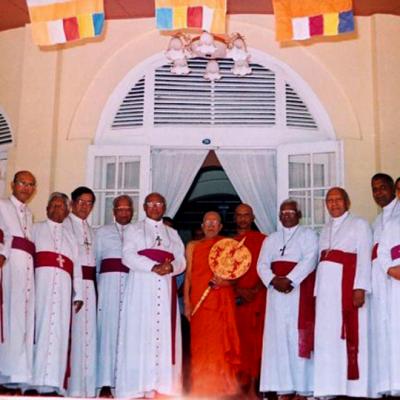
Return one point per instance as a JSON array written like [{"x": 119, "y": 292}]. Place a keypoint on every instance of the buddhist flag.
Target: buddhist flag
[
  {"x": 303, "y": 19},
  {"x": 207, "y": 15},
  {"x": 62, "y": 21}
]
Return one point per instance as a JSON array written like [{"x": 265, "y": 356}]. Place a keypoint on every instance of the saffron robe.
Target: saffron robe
[
  {"x": 283, "y": 370},
  {"x": 55, "y": 290},
  {"x": 146, "y": 350},
  {"x": 111, "y": 287},
  {"x": 215, "y": 346},
  {"x": 250, "y": 315},
  {"x": 389, "y": 256},
  {"x": 82, "y": 382},
  {"x": 379, "y": 311},
  {"x": 349, "y": 234},
  {"x": 18, "y": 300}
]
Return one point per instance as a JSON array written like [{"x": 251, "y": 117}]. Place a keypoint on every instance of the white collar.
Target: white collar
[
  {"x": 389, "y": 207},
  {"x": 76, "y": 218},
  {"x": 53, "y": 223},
  {"x": 153, "y": 222},
  {"x": 17, "y": 203},
  {"x": 290, "y": 230},
  {"x": 340, "y": 219}
]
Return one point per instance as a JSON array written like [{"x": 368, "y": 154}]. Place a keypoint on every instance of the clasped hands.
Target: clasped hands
[
  {"x": 163, "y": 268},
  {"x": 282, "y": 284}
]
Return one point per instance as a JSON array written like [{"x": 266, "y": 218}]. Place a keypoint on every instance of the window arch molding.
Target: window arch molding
[{"x": 264, "y": 136}]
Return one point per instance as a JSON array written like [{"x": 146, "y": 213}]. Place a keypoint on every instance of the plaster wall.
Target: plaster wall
[{"x": 54, "y": 97}]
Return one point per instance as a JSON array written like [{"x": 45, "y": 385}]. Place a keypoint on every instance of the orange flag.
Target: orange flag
[{"x": 303, "y": 19}]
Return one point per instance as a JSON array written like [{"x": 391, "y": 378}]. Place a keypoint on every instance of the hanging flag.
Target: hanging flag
[
  {"x": 207, "y": 15},
  {"x": 62, "y": 21},
  {"x": 303, "y": 19}
]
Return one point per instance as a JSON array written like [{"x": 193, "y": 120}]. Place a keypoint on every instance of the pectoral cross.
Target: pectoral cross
[
  {"x": 60, "y": 260},
  {"x": 158, "y": 240},
  {"x": 87, "y": 244},
  {"x": 282, "y": 250}
]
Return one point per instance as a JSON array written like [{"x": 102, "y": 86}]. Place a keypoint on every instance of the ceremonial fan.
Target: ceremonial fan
[{"x": 228, "y": 259}]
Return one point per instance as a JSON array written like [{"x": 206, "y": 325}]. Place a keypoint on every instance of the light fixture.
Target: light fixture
[{"x": 182, "y": 47}]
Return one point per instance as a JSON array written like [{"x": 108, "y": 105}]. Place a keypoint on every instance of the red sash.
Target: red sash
[
  {"x": 89, "y": 273},
  {"x": 374, "y": 251},
  {"x": 306, "y": 318},
  {"x": 21, "y": 243},
  {"x": 51, "y": 259},
  {"x": 349, "y": 312},
  {"x": 160, "y": 256},
  {"x": 395, "y": 252},
  {"x": 113, "y": 265}
]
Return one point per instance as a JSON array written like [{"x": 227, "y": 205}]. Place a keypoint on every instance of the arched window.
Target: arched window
[{"x": 273, "y": 108}]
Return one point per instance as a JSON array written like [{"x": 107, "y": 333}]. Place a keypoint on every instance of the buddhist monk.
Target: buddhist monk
[
  {"x": 250, "y": 304},
  {"x": 214, "y": 338}
]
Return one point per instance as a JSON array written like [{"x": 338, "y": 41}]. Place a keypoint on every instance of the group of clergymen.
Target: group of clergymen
[{"x": 86, "y": 313}]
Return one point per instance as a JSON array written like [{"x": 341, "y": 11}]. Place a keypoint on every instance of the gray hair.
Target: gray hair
[
  {"x": 290, "y": 201},
  {"x": 123, "y": 197},
  {"x": 59, "y": 195}
]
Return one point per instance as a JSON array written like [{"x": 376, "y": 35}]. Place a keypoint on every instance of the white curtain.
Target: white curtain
[
  {"x": 173, "y": 173},
  {"x": 253, "y": 175}
]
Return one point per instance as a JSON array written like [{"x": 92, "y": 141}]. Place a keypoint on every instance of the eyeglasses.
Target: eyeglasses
[
  {"x": 288, "y": 212},
  {"x": 154, "y": 204},
  {"x": 119, "y": 209},
  {"x": 25, "y": 184},
  {"x": 82, "y": 202},
  {"x": 211, "y": 223}
]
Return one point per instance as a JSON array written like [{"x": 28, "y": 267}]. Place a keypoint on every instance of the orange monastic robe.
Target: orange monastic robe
[
  {"x": 250, "y": 316},
  {"x": 214, "y": 337}
]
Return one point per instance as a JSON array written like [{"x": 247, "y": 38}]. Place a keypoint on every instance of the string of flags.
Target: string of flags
[
  {"x": 207, "y": 15},
  {"x": 63, "y": 21},
  {"x": 303, "y": 19}
]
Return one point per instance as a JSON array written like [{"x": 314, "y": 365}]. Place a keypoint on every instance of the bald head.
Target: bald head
[
  {"x": 154, "y": 206},
  {"x": 244, "y": 218},
  {"x": 211, "y": 224}
]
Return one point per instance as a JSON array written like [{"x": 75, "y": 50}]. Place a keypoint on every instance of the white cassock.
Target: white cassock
[
  {"x": 146, "y": 358},
  {"x": 389, "y": 256},
  {"x": 55, "y": 262},
  {"x": 18, "y": 300},
  {"x": 282, "y": 370},
  {"x": 111, "y": 286},
  {"x": 82, "y": 382},
  {"x": 379, "y": 314},
  {"x": 349, "y": 234}
]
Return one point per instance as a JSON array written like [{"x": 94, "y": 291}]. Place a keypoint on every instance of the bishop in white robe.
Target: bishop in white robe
[
  {"x": 82, "y": 382},
  {"x": 112, "y": 275},
  {"x": 342, "y": 286},
  {"x": 58, "y": 283},
  {"x": 383, "y": 192},
  {"x": 150, "y": 341},
  {"x": 17, "y": 300},
  {"x": 289, "y": 253},
  {"x": 389, "y": 261}
]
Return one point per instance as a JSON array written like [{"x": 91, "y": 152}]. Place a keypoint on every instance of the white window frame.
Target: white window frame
[
  {"x": 312, "y": 148},
  {"x": 143, "y": 154}
]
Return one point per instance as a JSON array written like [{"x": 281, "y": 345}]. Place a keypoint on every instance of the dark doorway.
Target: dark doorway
[{"x": 211, "y": 191}]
